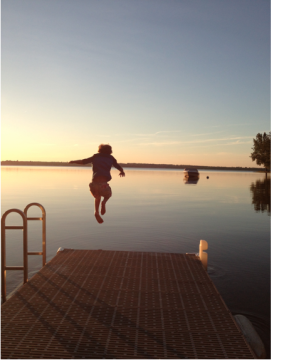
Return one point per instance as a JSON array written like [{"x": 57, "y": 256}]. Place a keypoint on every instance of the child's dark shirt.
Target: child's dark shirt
[{"x": 102, "y": 164}]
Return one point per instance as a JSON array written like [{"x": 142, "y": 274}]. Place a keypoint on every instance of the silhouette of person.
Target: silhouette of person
[{"x": 99, "y": 187}]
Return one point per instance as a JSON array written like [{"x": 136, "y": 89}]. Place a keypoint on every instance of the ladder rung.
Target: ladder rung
[
  {"x": 14, "y": 268},
  {"x": 14, "y": 227},
  {"x": 35, "y": 253},
  {"x": 34, "y": 218}
]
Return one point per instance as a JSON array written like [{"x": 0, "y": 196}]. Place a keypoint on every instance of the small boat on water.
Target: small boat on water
[{"x": 191, "y": 173}]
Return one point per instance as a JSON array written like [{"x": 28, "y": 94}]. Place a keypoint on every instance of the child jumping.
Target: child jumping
[{"x": 99, "y": 187}]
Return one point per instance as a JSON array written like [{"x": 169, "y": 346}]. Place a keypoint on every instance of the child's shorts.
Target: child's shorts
[{"x": 100, "y": 189}]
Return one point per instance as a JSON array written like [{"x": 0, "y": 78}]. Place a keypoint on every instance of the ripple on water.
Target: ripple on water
[{"x": 216, "y": 271}]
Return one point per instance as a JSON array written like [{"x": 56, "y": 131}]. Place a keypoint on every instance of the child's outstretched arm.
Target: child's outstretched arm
[
  {"x": 122, "y": 173},
  {"x": 79, "y": 162},
  {"x": 82, "y": 162},
  {"x": 118, "y": 167}
]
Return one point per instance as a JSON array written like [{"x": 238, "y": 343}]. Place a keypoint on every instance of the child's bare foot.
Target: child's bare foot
[
  {"x": 99, "y": 219},
  {"x": 103, "y": 209}
]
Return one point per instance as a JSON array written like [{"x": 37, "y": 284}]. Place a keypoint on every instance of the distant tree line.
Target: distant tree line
[{"x": 128, "y": 165}]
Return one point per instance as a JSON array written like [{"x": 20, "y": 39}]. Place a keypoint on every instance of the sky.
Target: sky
[{"x": 163, "y": 82}]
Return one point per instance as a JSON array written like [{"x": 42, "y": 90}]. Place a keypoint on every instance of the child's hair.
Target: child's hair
[{"x": 105, "y": 149}]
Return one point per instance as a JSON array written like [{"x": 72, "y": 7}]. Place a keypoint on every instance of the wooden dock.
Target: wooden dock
[{"x": 119, "y": 304}]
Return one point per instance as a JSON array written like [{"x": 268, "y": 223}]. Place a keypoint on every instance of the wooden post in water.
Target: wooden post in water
[{"x": 203, "y": 245}]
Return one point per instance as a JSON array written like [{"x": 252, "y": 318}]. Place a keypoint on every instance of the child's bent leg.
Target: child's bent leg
[
  {"x": 103, "y": 209},
  {"x": 97, "y": 205}
]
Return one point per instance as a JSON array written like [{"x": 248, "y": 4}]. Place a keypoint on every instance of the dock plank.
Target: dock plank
[{"x": 120, "y": 304}]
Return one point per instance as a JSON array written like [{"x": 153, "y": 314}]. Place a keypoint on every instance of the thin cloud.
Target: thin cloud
[
  {"x": 238, "y": 143},
  {"x": 99, "y": 135},
  {"x": 227, "y": 144},
  {"x": 162, "y": 143},
  {"x": 151, "y": 134},
  {"x": 239, "y": 124},
  {"x": 167, "y": 131},
  {"x": 216, "y": 132},
  {"x": 229, "y": 125},
  {"x": 198, "y": 141}
]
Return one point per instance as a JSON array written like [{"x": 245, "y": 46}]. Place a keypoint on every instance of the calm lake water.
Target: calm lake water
[{"x": 154, "y": 210}]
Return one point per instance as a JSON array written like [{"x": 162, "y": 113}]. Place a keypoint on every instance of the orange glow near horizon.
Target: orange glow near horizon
[
  {"x": 40, "y": 143},
  {"x": 28, "y": 151}
]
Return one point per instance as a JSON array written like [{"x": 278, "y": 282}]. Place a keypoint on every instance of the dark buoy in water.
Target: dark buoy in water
[{"x": 207, "y": 177}]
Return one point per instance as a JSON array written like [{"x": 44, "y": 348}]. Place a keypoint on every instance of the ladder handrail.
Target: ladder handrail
[
  {"x": 3, "y": 249},
  {"x": 43, "y": 219},
  {"x": 25, "y": 218}
]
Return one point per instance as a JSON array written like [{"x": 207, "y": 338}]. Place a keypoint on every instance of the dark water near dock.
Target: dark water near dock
[{"x": 154, "y": 210}]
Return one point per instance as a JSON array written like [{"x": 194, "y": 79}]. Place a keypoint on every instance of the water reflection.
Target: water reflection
[
  {"x": 151, "y": 210},
  {"x": 261, "y": 195},
  {"x": 192, "y": 181}
]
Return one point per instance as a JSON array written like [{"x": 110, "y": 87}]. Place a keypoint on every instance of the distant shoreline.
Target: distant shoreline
[{"x": 132, "y": 165}]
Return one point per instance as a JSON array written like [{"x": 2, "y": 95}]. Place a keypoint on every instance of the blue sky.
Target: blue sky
[{"x": 182, "y": 82}]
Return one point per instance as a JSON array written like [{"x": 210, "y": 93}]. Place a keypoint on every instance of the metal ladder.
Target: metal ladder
[{"x": 24, "y": 227}]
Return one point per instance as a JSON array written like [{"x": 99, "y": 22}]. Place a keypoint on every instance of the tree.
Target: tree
[{"x": 262, "y": 150}]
